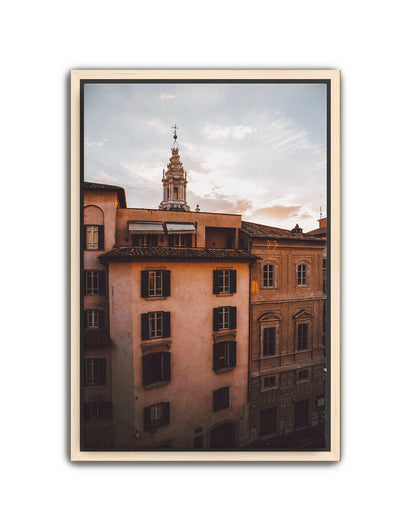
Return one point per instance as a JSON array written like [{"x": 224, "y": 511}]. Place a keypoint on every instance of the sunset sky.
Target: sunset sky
[{"x": 254, "y": 149}]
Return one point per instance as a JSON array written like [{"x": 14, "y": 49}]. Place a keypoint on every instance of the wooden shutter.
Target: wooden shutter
[
  {"x": 85, "y": 319},
  {"x": 146, "y": 370},
  {"x": 233, "y": 317},
  {"x": 188, "y": 240},
  {"x": 215, "y": 319},
  {"x": 170, "y": 241},
  {"x": 145, "y": 284},
  {"x": 216, "y": 282},
  {"x": 232, "y": 345},
  {"x": 215, "y": 356},
  {"x": 216, "y": 400},
  {"x": 100, "y": 237},
  {"x": 166, "y": 366},
  {"x": 233, "y": 281},
  {"x": 101, "y": 319},
  {"x": 145, "y": 326},
  {"x": 165, "y": 414},
  {"x": 165, "y": 283},
  {"x": 102, "y": 372},
  {"x": 166, "y": 324},
  {"x": 153, "y": 240},
  {"x": 101, "y": 283},
  {"x": 146, "y": 418}
]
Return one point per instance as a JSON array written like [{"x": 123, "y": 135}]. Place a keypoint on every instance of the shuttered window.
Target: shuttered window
[
  {"x": 94, "y": 282},
  {"x": 221, "y": 398},
  {"x": 224, "y": 318},
  {"x": 94, "y": 372},
  {"x": 224, "y": 355},
  {"x": 145, "y": 240},
  {"x": 156, "y": 368},
  {"x": 94, "y": 410},
  {"x": 93, "y": 237},
  {"x": 155, "y": 283},
  {"x": 224, "y": 281},
  {"x": 155, "y": 325},
  {"x": 156, "y": 416}
]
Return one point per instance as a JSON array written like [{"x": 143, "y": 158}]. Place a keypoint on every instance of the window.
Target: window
[
  {"x": 155, "y": 325},
  {"x": 94, "y": 237},
  {"x": 303, "y": 375},
  {"x": 221, "y": 398},
  {"x": 145, "y": 240},
  {"x": 155, "y": 283},
  {"x": 94, "y": 283},
  {"x": 269, "y": 381},
  {"x": 224, "y": 355},
  {"x": 156, "y": 368},
  {"x": 268, "y": 275},
  {"x": 302, "y": 336},
  {"x": 301, "y": 274},
  {"x": 269, "y": 341},
  {"x": 268, "y": 421},
  {"x": 97, "y": 410},
  {"x": 175, "y": 193},
  {"x": 156, "y": 416},
  {"x": 93, "y": 318},
  {"x": 224, "y": 318},
  {"x": 225, "y": 281},
  {"x": 180, "y": 240},
  {"x": 94, "y": 372},
  {"x": 301, "y": 413}
]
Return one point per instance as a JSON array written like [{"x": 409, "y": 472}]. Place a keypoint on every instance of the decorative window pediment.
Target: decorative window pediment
[
  {"x": 302, "y": 314},
  {"x": 269, "y": 316}
]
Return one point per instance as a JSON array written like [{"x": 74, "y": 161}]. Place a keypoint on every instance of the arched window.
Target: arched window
[
  {"x": 301, "y": 274},
  {"x": 268, "y": 275}
]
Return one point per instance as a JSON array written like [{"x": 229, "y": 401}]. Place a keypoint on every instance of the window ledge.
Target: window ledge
[
  {"x": 224, "y": 335},
  {"x": 224, "y": 370},
  {"x": 158, "y": 345},
  {"x": 153, "y": 298},
  {"x": 156, "y": 385},
  {"x": 224, "y": 294}
]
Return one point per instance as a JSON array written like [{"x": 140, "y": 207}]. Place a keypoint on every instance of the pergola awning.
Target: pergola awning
[
  {"x": 180, "y": 227},
  {"x": 146, "y": 227}
]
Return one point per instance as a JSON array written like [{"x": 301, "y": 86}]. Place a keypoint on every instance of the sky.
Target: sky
[{"x": 258, "y": 150}]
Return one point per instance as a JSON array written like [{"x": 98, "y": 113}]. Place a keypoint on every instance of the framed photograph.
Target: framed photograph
[{"x": 205, "y": 265}]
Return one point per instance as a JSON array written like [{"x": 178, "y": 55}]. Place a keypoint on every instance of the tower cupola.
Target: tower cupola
[{"x": 174, "y": 181}]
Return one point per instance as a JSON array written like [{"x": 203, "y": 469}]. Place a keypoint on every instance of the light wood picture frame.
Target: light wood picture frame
[{"x": 321, "y": 409}]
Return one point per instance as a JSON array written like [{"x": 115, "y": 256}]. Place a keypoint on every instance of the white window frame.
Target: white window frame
[
  {"x": 270, "y": 275},
  {"x": 93, "y": 283},
  {"x": 301, "y": 275},
  {"x": 225, "y": 281},
  {"x": 155, "y": 325},
  {"x": 155, "y": 279},
  {"x": 92, "y": 375},
  {"x": 92, "y": 237},
  {"x": 156, "y": 414},
  {"x": 224, "y": 318}
]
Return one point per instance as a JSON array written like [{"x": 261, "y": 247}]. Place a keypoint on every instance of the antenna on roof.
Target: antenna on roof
[{"x": 320, "y": 212}]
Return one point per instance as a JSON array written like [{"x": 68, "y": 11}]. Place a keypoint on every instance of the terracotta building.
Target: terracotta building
[
  {"x": 200, "y": 330},
  {"x": 287, "y": 357}
]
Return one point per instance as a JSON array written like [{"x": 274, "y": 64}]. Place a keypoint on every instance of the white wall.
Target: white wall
[{"x": 373, "y": 44}]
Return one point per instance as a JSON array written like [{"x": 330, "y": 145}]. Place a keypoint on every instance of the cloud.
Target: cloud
[
  {"x": 278, "y": 211},
  {"x": 94, "y": 144},
  {"x": 223, "y": 132},
  {"x": 166, "y": 96},
  {"x": 103, "y": 177}
]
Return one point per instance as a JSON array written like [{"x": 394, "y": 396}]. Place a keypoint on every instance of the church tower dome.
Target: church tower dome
[{"x": 174, "y": 181}]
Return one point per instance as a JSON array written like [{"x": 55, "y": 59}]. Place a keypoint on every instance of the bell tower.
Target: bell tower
[{"x": 174, "y": 181}]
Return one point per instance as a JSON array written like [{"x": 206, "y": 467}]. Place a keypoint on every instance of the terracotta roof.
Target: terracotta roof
[
  {"x": 128, "y": 253},
  {"x": 261, "y": 231},
  {"x": 94, "y": 186},
  {"x": 317, "y": 232}
]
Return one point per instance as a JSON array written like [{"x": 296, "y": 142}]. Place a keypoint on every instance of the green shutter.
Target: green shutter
[
  {"x": 146, "y": 419},
  {"x": 233, "y": 281},
  {"x": 166, "y": 366},
  {"x": 233, "y": 318},
  {"x": 215, "y": 356},
  {"x": 232, "y": 345},
  {"x": 100, "y": 237},
  {"x": 101, "y": 283},
  {"x": 145, "y": 326},
  {"x": 215, "y": 319},
  {"x": 85, "y": 319},
  {"x": 216, "y": 282},
  {"x": 146, "y": 370},
  {"x": 102, "y": 372},
  {"x": 101, "y": 319},
  {"x": 165, "y": 283},
  {"x": 165, "y": 414},
  {"x": 145, "y": 284},
  {"x": 166, "y": 324}
]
